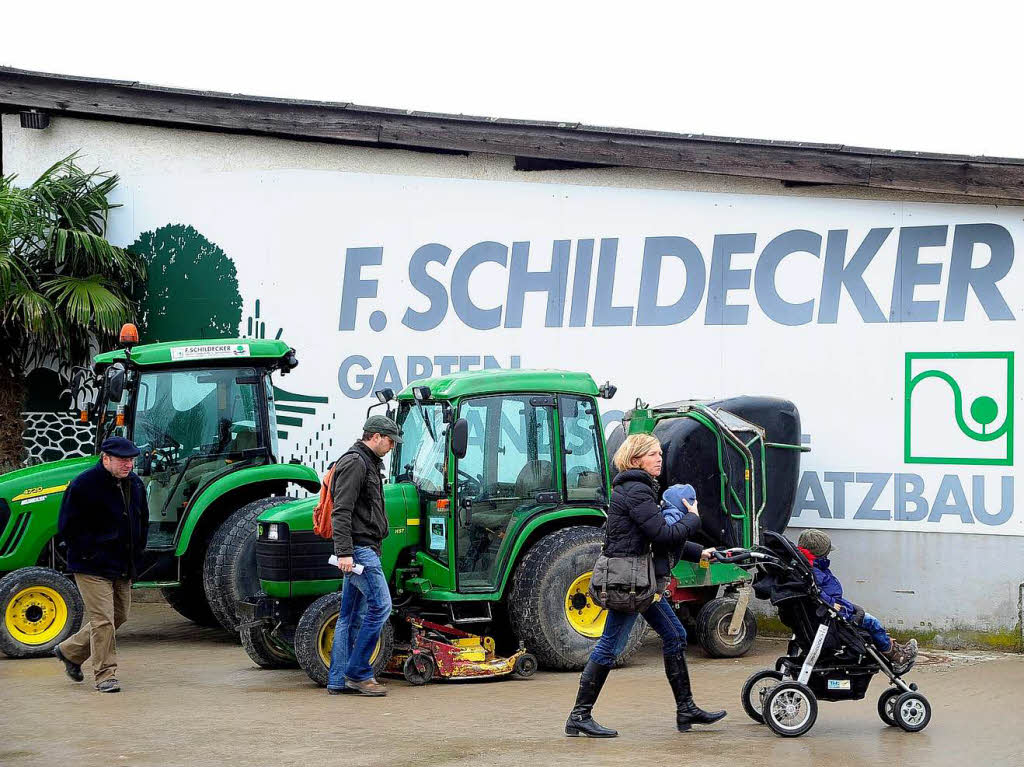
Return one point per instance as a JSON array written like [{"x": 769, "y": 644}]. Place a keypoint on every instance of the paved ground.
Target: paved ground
[{"x": 192, "y": 698}]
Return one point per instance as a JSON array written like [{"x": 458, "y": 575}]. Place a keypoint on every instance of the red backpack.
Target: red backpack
[{"x": 322, "y": 525}]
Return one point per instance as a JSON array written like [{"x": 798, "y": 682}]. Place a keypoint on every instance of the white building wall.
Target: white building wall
[{"x": 275, "y": 204}]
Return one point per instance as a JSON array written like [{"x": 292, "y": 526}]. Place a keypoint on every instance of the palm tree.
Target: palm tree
[{"x": 63, "y": 287}]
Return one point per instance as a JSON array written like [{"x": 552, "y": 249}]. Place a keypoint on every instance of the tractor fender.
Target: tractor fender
[
  {"x": 298, "y": 474},
  {"x": 542, "y": 524}
]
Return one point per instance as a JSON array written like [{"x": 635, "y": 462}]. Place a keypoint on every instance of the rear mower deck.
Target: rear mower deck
[{"x": 450, "y": 653}]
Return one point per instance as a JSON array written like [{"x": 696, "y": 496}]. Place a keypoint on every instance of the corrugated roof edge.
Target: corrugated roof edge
[{"x": 788, "y": 161}]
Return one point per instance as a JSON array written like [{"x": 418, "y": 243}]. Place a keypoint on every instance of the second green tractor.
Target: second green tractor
[{"x": 495, "y": 500}]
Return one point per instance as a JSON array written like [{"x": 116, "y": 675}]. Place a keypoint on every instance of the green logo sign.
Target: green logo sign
[{"x": 958, "y": 408}]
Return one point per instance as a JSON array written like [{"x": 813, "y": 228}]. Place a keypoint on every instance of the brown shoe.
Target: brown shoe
[
  {"x": 370, "y": 687},
  {"x": 902, "y": 657}
]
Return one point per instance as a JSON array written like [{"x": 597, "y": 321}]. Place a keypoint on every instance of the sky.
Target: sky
[{"x": 893, "y": 75}]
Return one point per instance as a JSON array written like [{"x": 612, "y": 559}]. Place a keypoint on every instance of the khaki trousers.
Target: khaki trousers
[{"x": 106, "y": 607}]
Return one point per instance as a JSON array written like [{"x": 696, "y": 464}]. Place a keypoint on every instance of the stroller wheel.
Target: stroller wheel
[
  {"x": 790, "y": 709},
  {"x": 755, "y": 691},
  {"x": 912, "y": 711},
  {"x": 886, "y": 704}
]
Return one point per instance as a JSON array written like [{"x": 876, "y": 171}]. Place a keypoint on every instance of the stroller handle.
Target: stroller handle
[{"x": 740, "y": 556}]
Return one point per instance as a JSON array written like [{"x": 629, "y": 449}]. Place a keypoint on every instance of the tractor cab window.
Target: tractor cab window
[
  {"x": 191, "y": 426},
  {"x": 420, "y": 456},
  {"x": 584, "y": 458},
  {"x": 509, "y": 462}
]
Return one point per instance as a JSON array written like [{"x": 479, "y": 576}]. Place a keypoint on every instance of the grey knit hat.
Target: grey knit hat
[{"x": 815, "y": 541}]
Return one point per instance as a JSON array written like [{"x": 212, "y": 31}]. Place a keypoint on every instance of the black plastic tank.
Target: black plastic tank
[{"x": 690, "y": 452}]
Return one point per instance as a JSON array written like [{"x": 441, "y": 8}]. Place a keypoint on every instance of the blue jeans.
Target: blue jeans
[
  {"x": 365, "y": 607},
  {"x": 661, "y": 617},
  {"x": 878, "y": 633}
]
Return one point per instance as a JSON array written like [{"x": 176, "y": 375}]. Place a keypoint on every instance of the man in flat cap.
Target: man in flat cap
[
  {"x": 359, "y": 525},
  {"x": 104, "y": 519}
]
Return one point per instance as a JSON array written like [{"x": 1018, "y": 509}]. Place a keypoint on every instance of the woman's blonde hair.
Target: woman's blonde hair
[{"x": 633, "y": 449}]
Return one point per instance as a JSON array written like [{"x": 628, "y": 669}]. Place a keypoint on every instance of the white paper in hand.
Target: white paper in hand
[{"x": 356, "y": 568}]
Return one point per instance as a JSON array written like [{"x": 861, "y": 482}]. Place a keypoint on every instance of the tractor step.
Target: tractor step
[{"x": 467, "y": 616}]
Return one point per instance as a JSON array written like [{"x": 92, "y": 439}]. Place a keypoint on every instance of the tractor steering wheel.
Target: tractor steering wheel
[{"x": 468, "y": 485}]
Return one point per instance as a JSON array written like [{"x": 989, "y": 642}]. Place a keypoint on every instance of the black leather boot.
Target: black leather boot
[
  {"x": 687, "y": 712},
  {"x": 580, "y": 722}
]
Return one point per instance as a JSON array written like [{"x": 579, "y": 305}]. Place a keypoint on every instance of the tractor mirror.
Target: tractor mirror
[
  {"x": 115, "y": 383},
  {"x": 460, "y": 438}
]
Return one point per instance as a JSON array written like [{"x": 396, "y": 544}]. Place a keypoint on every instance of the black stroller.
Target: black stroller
[{"x": 829, "y": 657}]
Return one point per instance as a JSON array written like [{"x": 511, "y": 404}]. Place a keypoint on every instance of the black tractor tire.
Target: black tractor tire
[
  {"x": 189, "y": 601},
  {"x": 713, "y": 629},
  {"x": 537, "y": 601},
  {"x": 229, "y": 568},
  {"x": 39, "y": 609},
  {"x": 313, "y": 639},
  {"x": 263, "y": 650}
]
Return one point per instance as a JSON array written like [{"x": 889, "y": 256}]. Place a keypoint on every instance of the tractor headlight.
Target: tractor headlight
[{"x": 272, "y": 531}]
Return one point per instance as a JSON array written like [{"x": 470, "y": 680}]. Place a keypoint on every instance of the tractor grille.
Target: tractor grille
[
  {"x": 309, "y": 555},
  {"x": 302, "y": 557},
  {"x": 272, "y": 560},
  {"x": 5, "y": 514},
  {"x": 20, "y": 523}
]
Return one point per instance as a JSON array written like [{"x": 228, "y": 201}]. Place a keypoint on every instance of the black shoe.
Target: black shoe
[
  {"x": 687, "y": 712},
  {"x": 580, "y": 722},
  {"x": 343, "y": 691},
  {"x": 109, "y": 685},
  {"x": 73, "y": 670}
]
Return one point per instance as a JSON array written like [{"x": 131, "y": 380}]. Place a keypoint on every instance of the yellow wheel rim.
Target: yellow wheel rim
[
  {"x": 325, "y": 641},
  {"x": 586, "y": 617},
  {"x": 36, "y": 615}
]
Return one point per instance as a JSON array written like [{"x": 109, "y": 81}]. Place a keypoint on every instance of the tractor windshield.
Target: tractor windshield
[
  {"x": 192, "y": 425},
  {"x": 420, "y": 457}
]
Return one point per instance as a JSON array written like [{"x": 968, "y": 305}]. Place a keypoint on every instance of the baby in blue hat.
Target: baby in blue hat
[{"x": 672, "y": 506}]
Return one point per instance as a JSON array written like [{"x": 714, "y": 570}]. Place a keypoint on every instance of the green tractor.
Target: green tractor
[
  {"x": 203, "y": 414},
  {"x": 495, "y": 499}
]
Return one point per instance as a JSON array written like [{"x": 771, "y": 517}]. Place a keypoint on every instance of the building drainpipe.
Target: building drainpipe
[{"x": 1020, "y": 613}]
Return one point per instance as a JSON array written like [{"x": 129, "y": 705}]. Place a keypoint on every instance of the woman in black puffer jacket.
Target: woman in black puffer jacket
[{"x": 635, "y": 522}]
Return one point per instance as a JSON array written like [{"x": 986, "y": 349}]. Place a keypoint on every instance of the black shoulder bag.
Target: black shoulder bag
[{"x": 624, "y": 584}]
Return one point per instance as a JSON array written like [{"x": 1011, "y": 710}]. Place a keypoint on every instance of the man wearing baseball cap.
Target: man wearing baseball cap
[
  {"x": 104, "y": 519},
  {"x": 359, "y": 526}
]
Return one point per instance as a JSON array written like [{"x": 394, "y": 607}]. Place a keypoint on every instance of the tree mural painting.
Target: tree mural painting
[
  {"x": 192, "y": 287},
  {"x": 191, "y": 291}
]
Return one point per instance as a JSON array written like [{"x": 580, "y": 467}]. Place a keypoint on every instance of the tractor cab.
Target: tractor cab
[
  {"x": 197, "y": 411},
  {"x": 512, "y": 452}
]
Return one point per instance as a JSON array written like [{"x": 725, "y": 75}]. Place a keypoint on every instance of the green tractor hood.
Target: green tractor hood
[{"x": 29, "y": 504}]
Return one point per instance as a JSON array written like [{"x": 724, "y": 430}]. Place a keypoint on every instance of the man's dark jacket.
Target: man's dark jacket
[
  {"x": 105, "y": 535},
  {"x": 357, "y": 492},
  {"x": 635, "y": 522}
]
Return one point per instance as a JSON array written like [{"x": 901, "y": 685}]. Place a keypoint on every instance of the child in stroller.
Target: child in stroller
[
  {"x": 815, "y": 545},
  {"x": 831, "y": 655}
]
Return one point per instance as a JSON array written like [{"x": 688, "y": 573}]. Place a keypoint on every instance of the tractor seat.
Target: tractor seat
[
  {"x": 589, "y": 485},
  {"x": 535, "y": 476}
]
